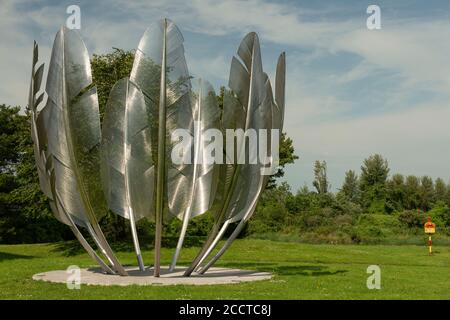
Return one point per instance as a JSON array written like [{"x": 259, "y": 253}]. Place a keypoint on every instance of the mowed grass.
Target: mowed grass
[{"x": 302, "y": 271}]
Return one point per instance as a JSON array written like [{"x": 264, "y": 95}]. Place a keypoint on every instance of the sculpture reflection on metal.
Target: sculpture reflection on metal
[{"x": 86, "y": 168}]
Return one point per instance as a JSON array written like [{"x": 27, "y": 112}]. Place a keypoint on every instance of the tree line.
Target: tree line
[
  {"x": 375, "y": 191},
  {"x": 370, "y": 206}
]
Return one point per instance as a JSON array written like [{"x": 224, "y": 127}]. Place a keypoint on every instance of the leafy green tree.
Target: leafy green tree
[
  {"x": 412, "y": 193},
  {"x": 350, "y": 187},
  {"x": 24, "y": 212},
  {"x": 396, "y": 192},
  {"x": 426, "y": 193},
  {"x": 107, "y": 69},
  {"x": 320, "y": 177},
  {"x": 374, "y": 173},
  {"x": 447, "y": 195},
  {"x": 440, "y": 190},
  {"x": 12, "y": 126},
  {"x": 287, "y": 155}
]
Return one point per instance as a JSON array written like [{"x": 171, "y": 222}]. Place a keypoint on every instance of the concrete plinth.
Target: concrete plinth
[{"x": 94, "y": 276}]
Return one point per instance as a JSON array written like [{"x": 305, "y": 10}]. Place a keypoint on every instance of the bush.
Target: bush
[
  {"x": 440, "y": 215},
  {"x": 411, "y": 218}
]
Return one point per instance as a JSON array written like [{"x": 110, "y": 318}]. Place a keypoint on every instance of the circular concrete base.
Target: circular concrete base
[{"x": 94, "y": 276}]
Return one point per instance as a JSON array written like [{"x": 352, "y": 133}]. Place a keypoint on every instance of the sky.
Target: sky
[{"x": 351, "y": 91}]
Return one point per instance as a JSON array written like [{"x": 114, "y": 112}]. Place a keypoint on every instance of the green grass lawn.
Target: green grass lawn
[{"x": 302, "y": 271}]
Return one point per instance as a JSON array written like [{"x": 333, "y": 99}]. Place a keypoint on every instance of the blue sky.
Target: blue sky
[{"x": 351, "y": 92}]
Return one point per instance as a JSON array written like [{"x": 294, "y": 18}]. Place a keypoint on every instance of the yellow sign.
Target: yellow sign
[{"x": 429, "y": 227}]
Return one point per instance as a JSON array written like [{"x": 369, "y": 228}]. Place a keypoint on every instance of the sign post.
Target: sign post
[{"x": 430, "y": 228}]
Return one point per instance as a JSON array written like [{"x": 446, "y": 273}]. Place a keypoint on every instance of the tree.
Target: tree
[
  {"x": 447, "y": 195},
  {"x": 350, "y": 187},
  {"x": 24, "y": 212},
  {"x": 374, "y": 173},
  {"x": 107, "y": 69},
  {"x": 426, "y": 193},
  {"x": 12, "y": 126},
  {"x": 412, "y": 191},
  {"x": 320, "y": 177},
  {"x": 440, "y": 190},
  {"x": 395, "y": 188}
]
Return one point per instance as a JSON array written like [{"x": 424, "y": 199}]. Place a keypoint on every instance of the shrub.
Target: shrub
[{"x": 411, "y": 218}]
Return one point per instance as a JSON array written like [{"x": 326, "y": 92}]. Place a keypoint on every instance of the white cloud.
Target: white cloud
[{"x": 417, "y": 49}]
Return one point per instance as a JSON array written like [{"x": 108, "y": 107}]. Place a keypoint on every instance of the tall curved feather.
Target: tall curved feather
[
  {"x": 73, "y": 126},
  {"x": 160, "y": 71},
  {"x": 280, "y": 84},
  {"x": 245, "y": 196},
  {"x": 277, "y": 110},
  {"x": 37, "y": 135},
  {"x": 204, "y": 178},
  {"x": 240, "y": 112},
  {"x": 127, "y": 164},
  {"x": 44, "y": 162}
]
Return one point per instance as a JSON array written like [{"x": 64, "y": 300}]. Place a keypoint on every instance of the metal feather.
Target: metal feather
[
  {"x": 37, "y": 132},
  {"x": 160, "y": 71},
  {"x": 44, "y": 162},
  {"x": 276, "y": 122},
  {"x": 204, "y": 175},
  {"x": 280, "y": 84},
  {"x": 242, "y": 110},
  {"x": 127, "y": 164},
  {"x": 73, "y": 125}
]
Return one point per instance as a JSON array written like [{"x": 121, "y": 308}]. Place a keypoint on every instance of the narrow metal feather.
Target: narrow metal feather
[
  {"x": 37, "y": 135},
  {"x": 127, "y": 164},
  {"x": 73, "y": 126},
  {"x": 246, "y": 205},
  {"x": 160, "y": 71},
  {"x": 280, "y": 83},
  {"x": 44, "y": 162},
  {"x": 204, "y": 176},
  {"x": 247, "y": 83},
  {"x": 277, "y": 118}
]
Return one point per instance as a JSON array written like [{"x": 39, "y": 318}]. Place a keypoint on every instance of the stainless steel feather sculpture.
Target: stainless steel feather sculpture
[
  {"x": 126, "y": 164},
  {"x": 248, "y": 105},
  {"x": 160, "y": 71},
  {"x": 271, "y": 112},
  {"x": 72, "y": 125},
  {"x": 204, "y": 178}
]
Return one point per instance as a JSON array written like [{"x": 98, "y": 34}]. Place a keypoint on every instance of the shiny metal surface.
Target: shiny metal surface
[
  {"x": 203, "y": 176},
  {"x": 160, "y": 71},
  {"x": 72, "y": 122},
  {"x": 44, "y": 162},
  {"x": 126, "y": 157},
  {"x": 242, "y": 109},
  {"x": 277, "y": 117}
]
